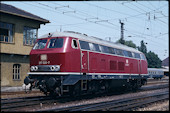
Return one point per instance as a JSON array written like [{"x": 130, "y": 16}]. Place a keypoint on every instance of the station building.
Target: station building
[{"x": 18, "y": 33}]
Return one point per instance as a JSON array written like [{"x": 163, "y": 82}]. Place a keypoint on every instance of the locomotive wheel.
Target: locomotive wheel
[
  {"x": 55, "y": 92},
  {"x": 107, "y": 86},
  {"x": 93, "y": 87},
  {"x": 75, "y": 90}
]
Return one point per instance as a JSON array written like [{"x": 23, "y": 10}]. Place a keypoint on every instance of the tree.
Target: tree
[
  {"x": 153, "y": 60},
  {"x": 128, "y": 43},
  {"x": 142, "y": 47},
  {"x": 122, "y": 41}
]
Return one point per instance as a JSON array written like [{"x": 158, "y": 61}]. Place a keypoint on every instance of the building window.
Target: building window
[
  {"x": 29, "y": 36},
  {"x": 6, "y": 32},
  {"x": 16, "y": 71}
]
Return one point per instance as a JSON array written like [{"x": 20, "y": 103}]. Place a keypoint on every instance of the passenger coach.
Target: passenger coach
[
  {"x": 74, "y": 63},
  {"x": 156, "y": 73}
]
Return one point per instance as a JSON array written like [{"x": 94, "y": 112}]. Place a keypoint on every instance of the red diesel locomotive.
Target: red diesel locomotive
[{"x": 74, "y": 63}]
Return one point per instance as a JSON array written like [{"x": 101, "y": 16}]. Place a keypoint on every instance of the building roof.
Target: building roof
[
  {"x": 89, "y": 39},
  {"x": 9, "y": 9},
  {"x": 165, "y": 62}
]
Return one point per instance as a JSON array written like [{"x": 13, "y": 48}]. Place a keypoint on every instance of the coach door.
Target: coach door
[{"x": 84, "y": 61}]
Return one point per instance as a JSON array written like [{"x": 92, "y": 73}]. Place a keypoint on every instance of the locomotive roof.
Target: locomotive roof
[{"x": 89, "y": 39}]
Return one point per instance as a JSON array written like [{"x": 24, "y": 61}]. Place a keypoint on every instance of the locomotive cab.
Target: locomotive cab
[
  {"x": 52, "y": 54},
  {"x": 51, "y": 58}
]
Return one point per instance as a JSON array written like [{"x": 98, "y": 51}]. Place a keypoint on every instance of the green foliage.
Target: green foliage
[
  {"x": 142, "y": 48},
  {"x": 130, "y": 44},
  {"x": 153, "y": 60},
  {"x": 122, "y": 41}
]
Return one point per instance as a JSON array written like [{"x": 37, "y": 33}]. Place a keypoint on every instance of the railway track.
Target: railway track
[
  {"x": 18, "y": 92},
  {"x": 14, "y": 103},
  {"x": 20, "y": 104},
  {"x": 118, "y": 105}
]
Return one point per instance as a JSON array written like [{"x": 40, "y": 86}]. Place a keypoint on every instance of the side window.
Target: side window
[
  {"x": 119, "y": 52},
  {"x": 111, "y": 50},
  {"x": 143, "y": 57},
  {"x": 104, "y": 49},
  {"x": 125, "y": 53},
  {"x": 74, "y": 44},
  {"x": 137, "y": 55},
  {"x": 129, "y": 53},
  {"x": 84, "y": 45},
  {"x": 94, "y": 47},
  {"x": 133, "y": 55}
]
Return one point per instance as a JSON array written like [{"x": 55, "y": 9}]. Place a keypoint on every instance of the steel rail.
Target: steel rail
[
  {"x": 14, "y": 103},
  {"x": 115, "y": 105}
]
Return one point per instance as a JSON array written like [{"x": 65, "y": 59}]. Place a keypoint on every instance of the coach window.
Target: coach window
[
  {"x": 84, "y": 45},
  {"x": 74, "y": 44}
]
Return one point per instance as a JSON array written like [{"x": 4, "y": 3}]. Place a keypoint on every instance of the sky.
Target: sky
[{"x": 143, "y": 20}]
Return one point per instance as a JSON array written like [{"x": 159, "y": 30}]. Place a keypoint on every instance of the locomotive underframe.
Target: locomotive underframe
[{"x": 80, "y": 84}]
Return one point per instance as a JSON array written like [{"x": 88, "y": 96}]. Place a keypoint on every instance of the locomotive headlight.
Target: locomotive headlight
[
  {"x": 52, "y": 68},
  {"x": 32, "y": 68},
  {"x": 36, "y": 68},
  {"x": 57, "y": 68}
]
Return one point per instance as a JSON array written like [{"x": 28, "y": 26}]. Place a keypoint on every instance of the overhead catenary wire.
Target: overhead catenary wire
[{"x": 96, "y": 23}]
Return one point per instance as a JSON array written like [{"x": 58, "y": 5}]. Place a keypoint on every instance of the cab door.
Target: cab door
[
  {"x": 84, "y": 61},
  {"x": 140, "y": 66}
]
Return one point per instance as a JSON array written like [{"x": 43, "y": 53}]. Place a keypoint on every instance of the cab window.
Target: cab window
[
  {"x": 40, "y": 44},
  {"x": 74, "y": 44},
  {"x": 56, "y": 43}
]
